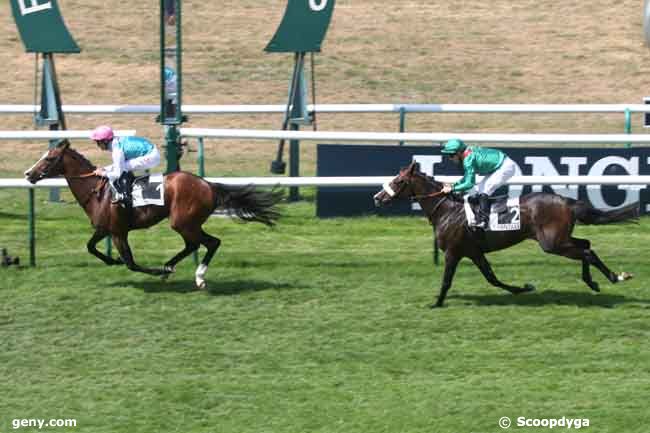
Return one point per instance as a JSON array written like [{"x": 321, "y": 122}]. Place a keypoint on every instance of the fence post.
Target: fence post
[
  {"x": 32, "y": 229},
  {"x": 628, "y": 125},
  {"x": 402, "y": 122},
  {"x": 201, "y": 162}
]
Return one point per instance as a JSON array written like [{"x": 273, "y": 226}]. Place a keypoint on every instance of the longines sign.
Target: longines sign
[{"x": 362, "y": 160}]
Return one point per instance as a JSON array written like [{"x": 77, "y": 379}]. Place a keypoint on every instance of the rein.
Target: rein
[
  {"x": 430, "y": 195},
  {"x": 83, "y": 176}
]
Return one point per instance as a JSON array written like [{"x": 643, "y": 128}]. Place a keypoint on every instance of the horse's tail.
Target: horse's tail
[
  {"x": 587, "y": 214},
  {"x": 248, "y": 203}
]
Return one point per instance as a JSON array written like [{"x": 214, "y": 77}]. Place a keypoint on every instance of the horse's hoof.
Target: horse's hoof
[
  {"x": 595, "y": 287},
  {"x": 623, "y": 276},
  {"x": 529, "y": 288},
  {"x": 201, "y": 285},
  {"x": 435, "y": 306}
]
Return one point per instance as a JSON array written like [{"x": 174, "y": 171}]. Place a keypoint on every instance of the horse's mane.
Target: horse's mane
[
  {"x": 80, "y": 158},
  {"x": 455, "y": 216}
]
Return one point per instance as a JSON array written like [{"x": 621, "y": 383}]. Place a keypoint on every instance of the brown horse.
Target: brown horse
[
  {"x": 547, "y": 218},
  {"x": 189, "y": 201}
]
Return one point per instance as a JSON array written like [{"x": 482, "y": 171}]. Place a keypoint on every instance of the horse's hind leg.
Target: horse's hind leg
[
  {"x": 580, "y": 249},
  {"x": 575, "y": 249},
  {"x": 190, "y": 246},
  {"x": 593, "y": 259},
  {"x": 212, "y": 245},
  {"x": 122, "y": 244},
  {"x": 193, "y": 239},
  {"x": 484, "y": 266}
]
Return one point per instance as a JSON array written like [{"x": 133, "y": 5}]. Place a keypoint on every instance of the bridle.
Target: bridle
[
  {"x": 97, "y": 189},
  {"x": 414, "y": 197}
]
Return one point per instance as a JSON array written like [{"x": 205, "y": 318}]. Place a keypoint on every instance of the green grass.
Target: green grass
[{"x": 316, "y": 326}]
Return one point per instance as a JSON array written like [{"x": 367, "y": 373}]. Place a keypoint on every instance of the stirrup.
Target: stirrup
[
  {"x": 119, "y": 198},
  {"x": 483, "y": 225}
]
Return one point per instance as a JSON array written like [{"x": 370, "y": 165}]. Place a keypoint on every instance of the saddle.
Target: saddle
[
  {"x": 504, "y": 212},
  {"x": 498, "y": 203},
  {"x": 148, "y": 190},
  {"x": 142, "y": 190}
]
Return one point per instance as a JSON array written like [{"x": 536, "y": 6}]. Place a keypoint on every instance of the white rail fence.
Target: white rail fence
[
  {"x": 367, "y": 181},
  {"x": 53, "y": 135},
  {"x": 255, "y": 134},
  {"x": 341, "y": 108}
]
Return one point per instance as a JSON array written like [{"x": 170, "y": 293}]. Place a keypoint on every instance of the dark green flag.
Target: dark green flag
[
  {"x": 303, "y": 26},
  {"x": 42, "y": 28}
]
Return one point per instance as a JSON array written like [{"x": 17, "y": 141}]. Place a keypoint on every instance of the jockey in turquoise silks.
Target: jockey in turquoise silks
[
  {"x": 128, "y": 154},
  {"x": 493, "y": 164}
]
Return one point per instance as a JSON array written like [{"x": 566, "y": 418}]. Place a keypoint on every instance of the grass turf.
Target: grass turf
[{"x": 316, "y": 326}]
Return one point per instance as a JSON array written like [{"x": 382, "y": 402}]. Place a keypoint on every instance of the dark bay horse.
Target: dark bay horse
[
  {"x": 189, "y": 201},
  {"x": 547, "y": 218}
]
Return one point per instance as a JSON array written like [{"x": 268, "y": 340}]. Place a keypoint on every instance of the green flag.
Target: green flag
[
  {"x": 303, "y": 26},
  {"x": 41, "y": 27}
]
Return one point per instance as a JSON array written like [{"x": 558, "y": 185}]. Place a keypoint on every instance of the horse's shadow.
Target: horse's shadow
[
  {"x": 215, "y": 287},
  {"x": 553, "y": 297}
]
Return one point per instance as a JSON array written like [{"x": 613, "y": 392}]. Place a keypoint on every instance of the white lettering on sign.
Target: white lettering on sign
[
  {"x": 34, "y": 7},
  {"x": 542, "y": 166},
  {"x": 317, "y": 5},
  {"x": 427, "y": 163},
  {"x": 595, "y": 193}
]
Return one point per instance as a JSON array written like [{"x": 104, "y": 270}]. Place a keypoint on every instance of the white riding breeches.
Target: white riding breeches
[{"x": 492, "y": 182}]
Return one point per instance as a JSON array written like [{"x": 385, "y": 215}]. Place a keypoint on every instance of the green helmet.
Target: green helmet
[{"x": 453, "y": 146}]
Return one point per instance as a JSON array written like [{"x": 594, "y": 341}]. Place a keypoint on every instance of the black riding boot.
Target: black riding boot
[
  {"x": 483, "y": 220},
  {"x": 122, "y": 186},
  {"x": 126, "y": 181}
]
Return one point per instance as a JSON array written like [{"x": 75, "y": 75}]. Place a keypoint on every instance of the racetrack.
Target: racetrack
[
  {"x": 321, "y": 325},
  {"x": 318, "y": 326}
]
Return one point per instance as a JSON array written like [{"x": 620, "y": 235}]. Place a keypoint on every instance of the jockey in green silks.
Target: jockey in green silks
[{"x": 493, "y": 164}]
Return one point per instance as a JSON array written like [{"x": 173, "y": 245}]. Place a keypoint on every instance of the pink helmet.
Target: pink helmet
[{"x": 102, "y": 133}]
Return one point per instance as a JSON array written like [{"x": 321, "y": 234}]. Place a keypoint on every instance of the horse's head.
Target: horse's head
[
  {"x": 50, "y": 164},
  {"x": 409, "y": 183}
]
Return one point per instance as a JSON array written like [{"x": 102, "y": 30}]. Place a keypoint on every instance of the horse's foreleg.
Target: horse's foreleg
[
  {"x": 451, "y": 263},
  {"x": 122, "y": 244},
  {"x": 484, "y": 266},
  {"x": 91, "y": 245}
]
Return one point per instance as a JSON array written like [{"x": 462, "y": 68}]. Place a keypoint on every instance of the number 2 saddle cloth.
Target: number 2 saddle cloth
[{"x": 504, "y": 213}]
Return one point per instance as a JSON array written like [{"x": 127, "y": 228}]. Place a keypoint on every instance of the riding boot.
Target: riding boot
[
  {"x": 483, "y": 220},
  {"x": 118, "y": 195},
  {"x": 126, "y": 181}
]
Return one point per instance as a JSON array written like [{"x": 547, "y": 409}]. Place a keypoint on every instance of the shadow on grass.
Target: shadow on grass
[
  {"x": 215, "y": 287},
  {"x": 552, "y": 297}
]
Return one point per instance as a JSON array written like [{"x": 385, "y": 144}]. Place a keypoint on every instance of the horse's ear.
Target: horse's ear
[
  {"x": 414, "y": 168},
  {"x": 63, "y": 144}
]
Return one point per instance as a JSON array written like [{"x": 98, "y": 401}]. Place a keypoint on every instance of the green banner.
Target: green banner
[
  {"x": 303, "y": 27},
  {"x": 41, "y": 27}
]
